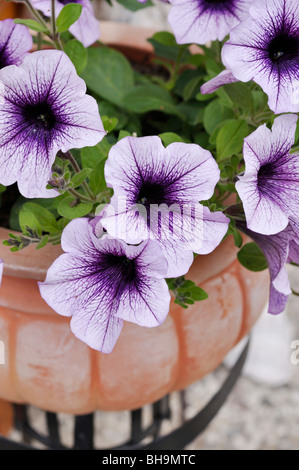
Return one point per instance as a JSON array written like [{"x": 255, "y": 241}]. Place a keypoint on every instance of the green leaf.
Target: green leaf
[
  {"x": 79, "y": 178},
  {"x": 214, "y": 114},
  {"x": 32, "y": 24},
  {"x": 230, "y": 138},
  {"x": 108, "y": 74},
  {"x": 197, "y": 293},
  {"x": 241, "y": 96},
  {"x": 123, "y": 134},
  {"x": 191, "y": 88},
  {"x": 91, "y": 156},
  {"x": 69, "y": 209},
  {"x": 97, "y": 182},
  {"x": 213, "y": 136},
  {"x": 69, "y": 14},
  {"x": 45, "y": 218},
  {"x": 77, "y": 53},
  {"x": 145, "y": 98},
  {"x": 28, "y": 219},
  {"x": 134, "y": 5},
  {"x": 238, "y": 240},
  {"x": 252, "y": 257},
  {"x": 165, "y": 37},
  {"x": 170, "y": 137},
  {"x": 191, "y": 112},
  {"x": 109, "y": 123},
  {"x": 43, "y": 242},
  {"x": 109, "y": 109}
]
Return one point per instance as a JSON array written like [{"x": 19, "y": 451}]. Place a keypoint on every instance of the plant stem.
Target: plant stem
[
  {"x": 39, "y": 41},
  {"x": 68, "y": 156},
  {"x": 78, "y": 196},
  {"x": 53, "y": 18},
  {"x": 37, "y": 16},
  {"x": 55, "y": 34}
]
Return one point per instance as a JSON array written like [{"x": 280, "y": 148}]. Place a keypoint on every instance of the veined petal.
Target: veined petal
[
  {"x": 201, "y": 21},
  {"x": 215, "y": 226},
  {"x": 15, "y": 43},
  {"x": 265, "y": 48},
  {"x": 223, "y": 78},
  {"x": 156, "y": 194},
  {"x": 43, "y": 109},
  {"x": 102, "y": 281},
  {"x": 269, "y": 188},
  {"x": 86, "y": 29},
  {"x": 276, "y": 251}
]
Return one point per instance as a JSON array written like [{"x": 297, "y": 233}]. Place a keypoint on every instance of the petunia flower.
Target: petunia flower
[
  {"x": 276, "y": 249},
  {"x": 86, "y": 29},
  {"x": 201, "y": 21},
  {"x": 265, "y": 48},
  {"x": 15, "y": 43},
  {"x": 269, "y": 188},
  {"x": 156, "y": 196},
  {"x": 100, "y": 282},
  {"x": 43, "y": 109}
]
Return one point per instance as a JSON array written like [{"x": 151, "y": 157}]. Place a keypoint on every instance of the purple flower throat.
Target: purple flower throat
[
  {"x": 40, "y": 116},
  {"x": 120, "y": 272},
  {"x": 66, "y": 2},
  {"x": 152, "y": 193},
  {"x": 283, "y": 48},
  {"x": 218, "y": 5}
]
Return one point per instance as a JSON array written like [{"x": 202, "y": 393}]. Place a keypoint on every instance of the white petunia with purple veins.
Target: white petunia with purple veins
[
  {"x": 278, "y": 251},
  {"x": 15, "y": 43},
  {"x": 201, "y": 21},
  {"x": 43, "y": 109},
  {"x": 265, "y": 48},
  {"x": 269, "y": 188},
  {"x": 100, "y": 282},
  {"x": 86, "y": 29},
  {"x": 156, "y": 196}
]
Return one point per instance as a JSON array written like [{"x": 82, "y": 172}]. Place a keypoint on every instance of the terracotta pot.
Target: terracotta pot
[
  {"x": 45, "y": 365},
  {"x": 9, "y": 10}
]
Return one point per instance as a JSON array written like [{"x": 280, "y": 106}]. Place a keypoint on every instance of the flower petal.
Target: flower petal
[
  {"x": 265, "y": 48},
  {"x": 276, "y": 251},
  {"x": 15, "y": 43},
  {"x": 269, "y": 188},
  {"x": 223, "y": 78},
  {"x": 199, "y": 21},
  {"x": 101, "y": 282},
  {"x": 43, "y": 109},
  {"x": 86, "y": 29}
]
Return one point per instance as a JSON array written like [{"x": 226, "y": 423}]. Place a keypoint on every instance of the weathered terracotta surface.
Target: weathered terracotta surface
[
  {"x": 8, "y": 10},
  {"x": 45, "y": 365}
]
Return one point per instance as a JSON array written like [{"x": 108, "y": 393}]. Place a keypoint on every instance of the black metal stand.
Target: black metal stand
[{"x": 84, "y": 424}]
